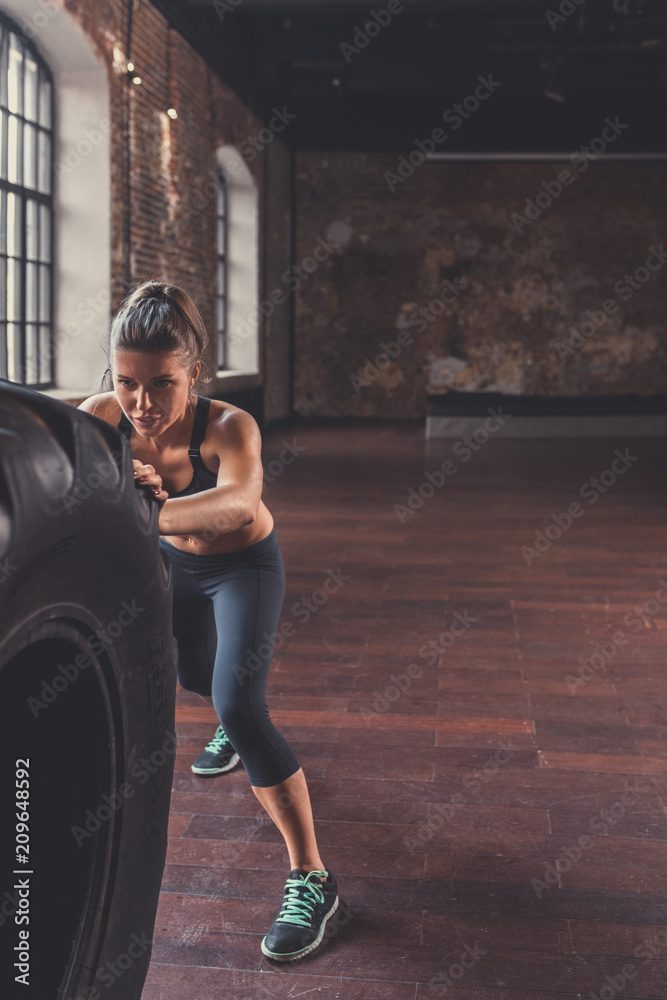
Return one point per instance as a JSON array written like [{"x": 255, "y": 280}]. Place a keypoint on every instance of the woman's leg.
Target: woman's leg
[
  {"x": 194, "y": 629},
  {"x": 288, "y": 805},
  {"x": 247, "y": 602},
  {"x": 195, "y": 632}
]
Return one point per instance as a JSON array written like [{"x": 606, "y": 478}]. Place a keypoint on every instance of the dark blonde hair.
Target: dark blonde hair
[{"x": 158, "y": 316}]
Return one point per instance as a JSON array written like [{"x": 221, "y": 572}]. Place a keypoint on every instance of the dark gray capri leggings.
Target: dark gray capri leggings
[{"x": 226, "y": 610}]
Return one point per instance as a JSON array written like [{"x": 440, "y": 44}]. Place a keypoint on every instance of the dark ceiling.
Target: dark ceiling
[{"x": 378, "y": 75}]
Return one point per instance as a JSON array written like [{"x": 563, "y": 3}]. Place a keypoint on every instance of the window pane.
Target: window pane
[
  {"x": 26, "y": 153},
  {"x": 14, "y": 241},
  {"x": 221, "y": 278},
  {"x": 13, "y": 353},
  {"x": 4, "y": 49},
  {"x": 44, "y": 233},
  {"x": 13, "y": 290},
  {"x": 15, "y": 79},
  {"x": 31, "y": 278},
  {"x": 32, "y": 229},
  {"x": 45, "y": 353},
  {"x": 30, "y": 156},
  {"x": 44, "y": 293},
  {"x": 31, "y": 354},
  {"x": 31, "y": 83},
  {"x": 44, "y": 167},
  {"x": 45, "y": 103},
  {"x": 14, "y": 149}
]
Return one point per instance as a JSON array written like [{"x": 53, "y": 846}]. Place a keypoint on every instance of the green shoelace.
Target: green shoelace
[
  {"x": 219, "y": 742},
  {"x": 301, "y": 897}
]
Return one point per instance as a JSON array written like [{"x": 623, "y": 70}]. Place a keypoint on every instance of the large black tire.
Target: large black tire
[{"x": 87, "y": 693}]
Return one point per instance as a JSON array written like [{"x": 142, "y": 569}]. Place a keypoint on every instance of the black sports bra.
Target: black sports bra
[{"x": 203, "y": 478}]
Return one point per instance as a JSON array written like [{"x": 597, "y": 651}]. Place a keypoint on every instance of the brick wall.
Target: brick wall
[
  {"x": 527, "y": 284},
  {"x": 173, "y": 209}
]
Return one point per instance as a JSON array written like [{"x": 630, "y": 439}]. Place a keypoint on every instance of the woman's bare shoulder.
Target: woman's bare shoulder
[
  {"x": 231, "y": 419},
  {"x": 103, "y": 405}
]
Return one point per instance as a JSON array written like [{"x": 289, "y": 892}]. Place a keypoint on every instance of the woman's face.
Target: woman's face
[{"x": 152, "y": 388}]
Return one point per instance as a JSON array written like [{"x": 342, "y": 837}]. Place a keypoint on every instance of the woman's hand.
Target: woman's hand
[{"x": 145, "y": 475}]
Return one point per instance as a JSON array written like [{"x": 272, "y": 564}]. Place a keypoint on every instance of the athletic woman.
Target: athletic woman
[{"x": 202, "y": 460}]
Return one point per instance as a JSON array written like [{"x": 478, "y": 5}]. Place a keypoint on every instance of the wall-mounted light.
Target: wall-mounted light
[{"x": 131, "y": 74}]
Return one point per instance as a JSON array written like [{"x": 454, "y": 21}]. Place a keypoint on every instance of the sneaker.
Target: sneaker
[
  {"x": 300, "y": 925},
  {"x": 217, "y": 757}
]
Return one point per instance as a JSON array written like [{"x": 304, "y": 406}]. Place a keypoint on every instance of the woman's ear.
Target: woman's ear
[{"x": 195, "y": 376}]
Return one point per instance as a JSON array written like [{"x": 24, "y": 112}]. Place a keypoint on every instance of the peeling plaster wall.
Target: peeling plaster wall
[{"x": 530, "y": 307}]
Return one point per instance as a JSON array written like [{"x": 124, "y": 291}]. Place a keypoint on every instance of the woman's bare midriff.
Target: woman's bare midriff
[{"x": 176, "y": 472}]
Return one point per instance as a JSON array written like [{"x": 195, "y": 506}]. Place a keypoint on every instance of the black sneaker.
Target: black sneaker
[
  {"x": 300, "y": 925},
  {"x": 219, "y": 756}
]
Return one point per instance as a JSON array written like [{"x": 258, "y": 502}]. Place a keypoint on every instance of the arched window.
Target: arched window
[
  {"x": 26, "y": 211},
  {"x": 239, "y": 314},
  {"x": 221, "y": 307}
]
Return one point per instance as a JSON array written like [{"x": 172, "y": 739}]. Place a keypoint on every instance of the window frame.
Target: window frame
[{"x": 44, "y": 200}]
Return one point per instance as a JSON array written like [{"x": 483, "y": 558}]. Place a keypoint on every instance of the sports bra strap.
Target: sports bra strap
[{"x": 198, "y": 432}]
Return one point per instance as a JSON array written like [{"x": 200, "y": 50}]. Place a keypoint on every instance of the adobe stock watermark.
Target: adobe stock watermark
[
  {"x": 638, "y": 619},
  {"x": 47, "y": 11},
  {"x": 599, "y": 824},
  {"x": 104, "y": 473},
  {"x": 625, "y": 288},
  {"x": 422, "y": 316},
  {"x": 565, "y": 10},
  {"x": 591, "y": 490},
  {"x": 222, "y": 7},
  {"x": 97, "y": 644},
  {"x": 107, "y": 974},
  {"x": 288, "y": 455},
  {"x": 142, "y": 770},
  {"x": 468, "y": 959},
  {"x": 553, "y": 189},
  {"x": 400, "y": 684},
  {"x": 87, "y": 310},
  {"x": 6, "y": 569},
  {"x": 436, "y": 479},
  {"x": 455, "y": 116},
  {"x": 249, "y": 148},
  {"x": 81, "y": 150},
  {"x": 303, "y": 610},
  {"x": 292, "y": 277},
  {"x": 649, "y": 950},
  {"x": 364, "y": 34},
  {"x": 474, "y": 780}
]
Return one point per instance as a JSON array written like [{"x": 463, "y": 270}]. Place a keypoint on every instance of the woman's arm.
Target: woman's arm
[{"x": 234, "y": 501}]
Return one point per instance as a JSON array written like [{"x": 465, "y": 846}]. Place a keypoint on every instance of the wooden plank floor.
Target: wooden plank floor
[{"x": 494, "y": 813}]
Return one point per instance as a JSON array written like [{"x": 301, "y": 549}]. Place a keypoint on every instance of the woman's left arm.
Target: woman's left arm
[{"x": 234, "y": 501}]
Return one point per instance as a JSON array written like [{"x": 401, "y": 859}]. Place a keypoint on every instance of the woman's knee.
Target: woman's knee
[
  {"x": 193, "y": 682},
  {"x": 235, "y": 718}
]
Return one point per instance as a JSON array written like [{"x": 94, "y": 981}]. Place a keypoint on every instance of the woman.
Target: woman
[{"x": 202, "y": 459}]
